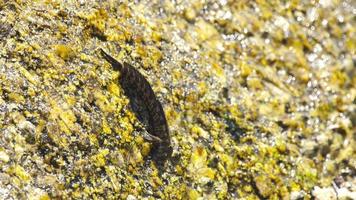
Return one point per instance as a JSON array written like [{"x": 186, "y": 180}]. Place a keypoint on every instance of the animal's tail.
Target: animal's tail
[{"x": 116, "y": 65}]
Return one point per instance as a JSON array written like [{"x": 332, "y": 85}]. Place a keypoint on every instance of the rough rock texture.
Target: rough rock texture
[{"x": 259, "y": 97}]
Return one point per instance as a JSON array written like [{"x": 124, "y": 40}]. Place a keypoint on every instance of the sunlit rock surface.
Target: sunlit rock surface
[{"x": 259, "y": 97}]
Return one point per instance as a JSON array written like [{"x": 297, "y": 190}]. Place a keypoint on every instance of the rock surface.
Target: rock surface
[{"x": 259, "y": 97}]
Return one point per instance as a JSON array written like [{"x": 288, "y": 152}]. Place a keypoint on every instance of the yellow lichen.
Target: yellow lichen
[
  {"x": 64, "y": 51},
  {"x": 20, "y": 172},
  {"x": 18, "y": 98},
  {"x": 193, "y": 194},
  {"x": 99, "y": 159},
  {"x": 106, "y": 128}
]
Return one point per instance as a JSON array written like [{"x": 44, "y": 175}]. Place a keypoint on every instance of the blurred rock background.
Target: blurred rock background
[{"x": 259, "y": 97}]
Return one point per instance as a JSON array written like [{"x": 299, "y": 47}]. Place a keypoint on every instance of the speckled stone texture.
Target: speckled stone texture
[{"x": 259, "y": 97}]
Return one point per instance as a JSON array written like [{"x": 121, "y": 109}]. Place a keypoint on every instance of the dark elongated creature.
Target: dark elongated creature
[{"x": 135, "y": 84}]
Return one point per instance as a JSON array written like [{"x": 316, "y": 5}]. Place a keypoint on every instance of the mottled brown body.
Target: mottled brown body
[{"x": 135, "y": 84}]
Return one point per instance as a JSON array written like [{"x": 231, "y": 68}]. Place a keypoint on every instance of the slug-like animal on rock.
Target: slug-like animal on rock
[{"x": 136, "y": 86}]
